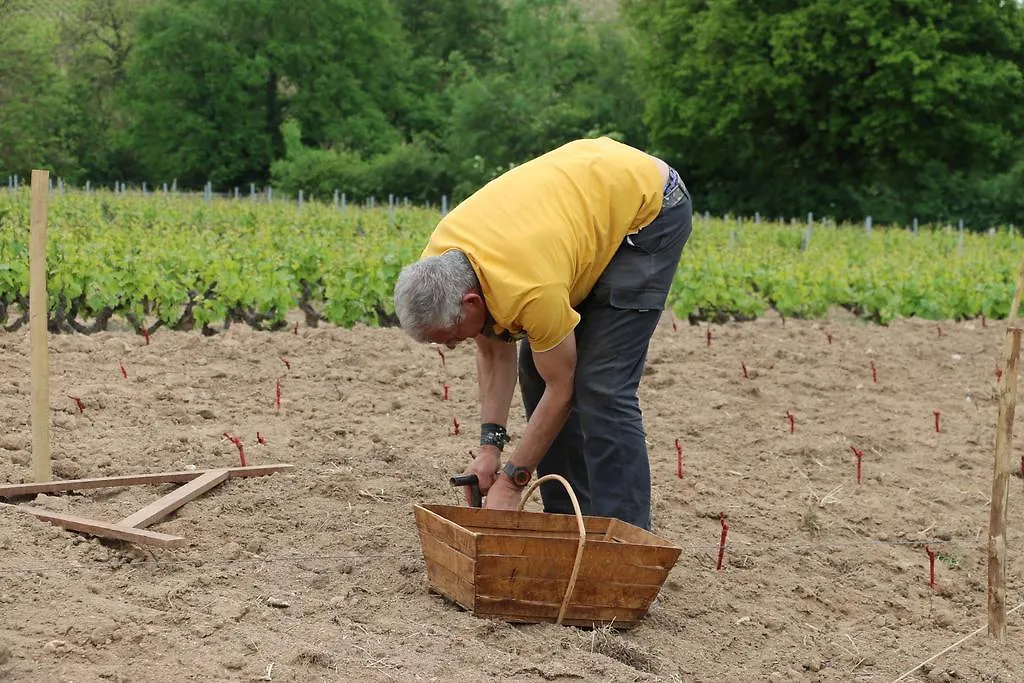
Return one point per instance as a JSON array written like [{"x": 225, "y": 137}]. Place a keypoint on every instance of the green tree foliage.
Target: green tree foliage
[
  {"x": 32, "y": 93},
  {"x": 544, "y": 79},
  {"x": 557, "y": 78},
  {"x": 441, "y": 33},
  {"x": 892, "y": 108},
  {"x": 213, "y": 80},
  {"x": 410, "y": 170},
  {"x": 95, "y": 47},
  {"x": 437, "y": 29}
]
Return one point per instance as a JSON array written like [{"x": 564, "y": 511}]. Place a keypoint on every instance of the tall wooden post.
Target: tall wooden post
[
  {"x": 1001, "y": 488},
  {"x": 1001, "y": 472},
  {"x": 38, "y": 335}
]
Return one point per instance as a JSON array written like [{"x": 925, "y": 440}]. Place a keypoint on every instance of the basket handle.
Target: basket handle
[{"x": 583, "y": 534}]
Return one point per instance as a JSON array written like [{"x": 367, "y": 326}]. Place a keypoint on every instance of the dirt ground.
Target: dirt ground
[{"x": 317, "y": 574}]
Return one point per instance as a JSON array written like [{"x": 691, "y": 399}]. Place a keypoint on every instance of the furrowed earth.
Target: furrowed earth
[{"x": 317, "y": 573}]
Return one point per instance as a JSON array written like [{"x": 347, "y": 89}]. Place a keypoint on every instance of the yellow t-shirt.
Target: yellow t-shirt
[{"x": 540, "y": 235}]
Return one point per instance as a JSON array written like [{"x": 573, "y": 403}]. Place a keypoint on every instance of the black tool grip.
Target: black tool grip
[{"x": 476, "y": 499}]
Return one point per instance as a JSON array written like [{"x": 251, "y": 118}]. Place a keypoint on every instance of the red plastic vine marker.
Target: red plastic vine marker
[
  {"x": 999, "y": 374},
  {"x": 145, "y": 334},
  {"x": 286, "y": 363},
  {"x": 745, "y": 375},
  {"x": 679, "y": 459},
  {"x": 260, "y": 440},
  {"x": 238, "y": 443},
  {"x": 931, "y": 566},
  {"x": 81, "y": 406},
  {"x": 277, "y": 394},
  {"x": 455, "y": 425},
  {"x": 937, "y": 414},
  {"x": 860, "y": 454},
  {"x": 874, "y": 372},
  {"x": 792, "y": 421},
  {"x": 445, "y": 391},
  {"x": 709, "y": 336},
  {"x": 123, "y": 371},
  {"x": 721, "y": 542}
]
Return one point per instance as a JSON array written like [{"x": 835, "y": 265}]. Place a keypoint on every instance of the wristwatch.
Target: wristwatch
[{"x": 520, "y": 476}]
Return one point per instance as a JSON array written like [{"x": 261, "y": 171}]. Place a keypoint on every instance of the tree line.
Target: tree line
[{"x": 845, "y": 108}]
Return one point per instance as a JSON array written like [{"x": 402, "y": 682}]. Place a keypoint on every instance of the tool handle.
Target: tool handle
[{"x": 470, "y": 480}]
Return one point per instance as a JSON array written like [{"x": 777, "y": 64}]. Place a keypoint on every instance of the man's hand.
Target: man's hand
[
  {"x": 504, "y": 495},
  {"x": 485, "y": 466}
]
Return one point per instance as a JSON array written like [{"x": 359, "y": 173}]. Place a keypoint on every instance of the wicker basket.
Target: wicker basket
[{"x": 536, "y": 567}]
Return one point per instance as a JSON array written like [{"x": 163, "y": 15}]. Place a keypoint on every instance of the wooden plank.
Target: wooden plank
[
  {"x": 164, "y": 506},
  {"x": 458, "y": 562},
  {"x": 498, "y": 520},
  {"x": 628, "y": 533},
  {"x": 444, "y": 581},
  {"x": 1001, "y": 473},
  {"x": 618, "y": 625},
  {"x": 591, "y": 569},
  {"x": 446, "y": 531},
  {"x": 585, "y": 593},
  {"x": 95, "y": 527},
  {"x": 525, "y": 545},
  {"x": 449, "y": 571},
  {"x": 573, "y": 535},
  {"x": 38, "y": 333},
  {"x": 183, "y": 477},
  {"x": 549, "y": 611}
]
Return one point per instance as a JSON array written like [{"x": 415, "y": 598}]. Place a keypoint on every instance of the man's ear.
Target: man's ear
[{"x": 473, "y": 299}]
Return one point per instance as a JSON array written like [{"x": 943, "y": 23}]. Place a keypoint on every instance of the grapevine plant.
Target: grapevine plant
[{"x": 180, "y": 262}]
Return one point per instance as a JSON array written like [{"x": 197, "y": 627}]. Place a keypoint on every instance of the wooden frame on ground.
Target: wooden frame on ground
[{"x": 132, "y": 528}]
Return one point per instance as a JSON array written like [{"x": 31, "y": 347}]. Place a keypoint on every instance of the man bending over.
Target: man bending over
[{"x": 571, "y": 254}]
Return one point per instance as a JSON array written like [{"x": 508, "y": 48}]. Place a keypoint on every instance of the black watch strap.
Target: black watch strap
[{"x": 492, "y": 434}]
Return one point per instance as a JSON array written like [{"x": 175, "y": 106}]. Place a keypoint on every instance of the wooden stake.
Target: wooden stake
[
  {"x": 160, "y": 508},
  {"x": 38, "y": 337},
  {"x": 61, "y": 485},
  {"x": 1001, "y": 486},
  {"x": 95, "y": 527},
  {"x": 1001, "y": 470}
]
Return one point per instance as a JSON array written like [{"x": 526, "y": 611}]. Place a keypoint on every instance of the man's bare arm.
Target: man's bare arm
[
  {"x": 558, "y": 369},
  {"x": 496, "y": 375},
  {"x": 496, "y": 369}
]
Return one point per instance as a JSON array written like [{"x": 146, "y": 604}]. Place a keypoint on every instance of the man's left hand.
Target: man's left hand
[{"x": 503, "y": 495}]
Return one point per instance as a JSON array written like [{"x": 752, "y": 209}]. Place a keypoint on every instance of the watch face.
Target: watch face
[{"x": 520, "y": 476}]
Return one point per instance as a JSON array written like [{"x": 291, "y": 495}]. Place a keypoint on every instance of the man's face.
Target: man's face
[{"x": 469, "y": 324}]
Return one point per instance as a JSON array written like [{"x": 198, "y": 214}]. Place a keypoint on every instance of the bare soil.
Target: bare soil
[{"x": 317, "y": 574}]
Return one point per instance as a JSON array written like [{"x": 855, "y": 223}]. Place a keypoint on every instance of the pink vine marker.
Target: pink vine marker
[
  {"x": 859, "y": 454},
  {"x": 931, "y": 566},
  {"x": 721, "y": 542}
]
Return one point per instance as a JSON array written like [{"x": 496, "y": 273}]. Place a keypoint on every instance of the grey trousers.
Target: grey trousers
[{"x": 601, "y": 449}]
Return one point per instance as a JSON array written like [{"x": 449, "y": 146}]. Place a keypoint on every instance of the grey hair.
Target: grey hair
[{"x": 428, "y": 293}]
